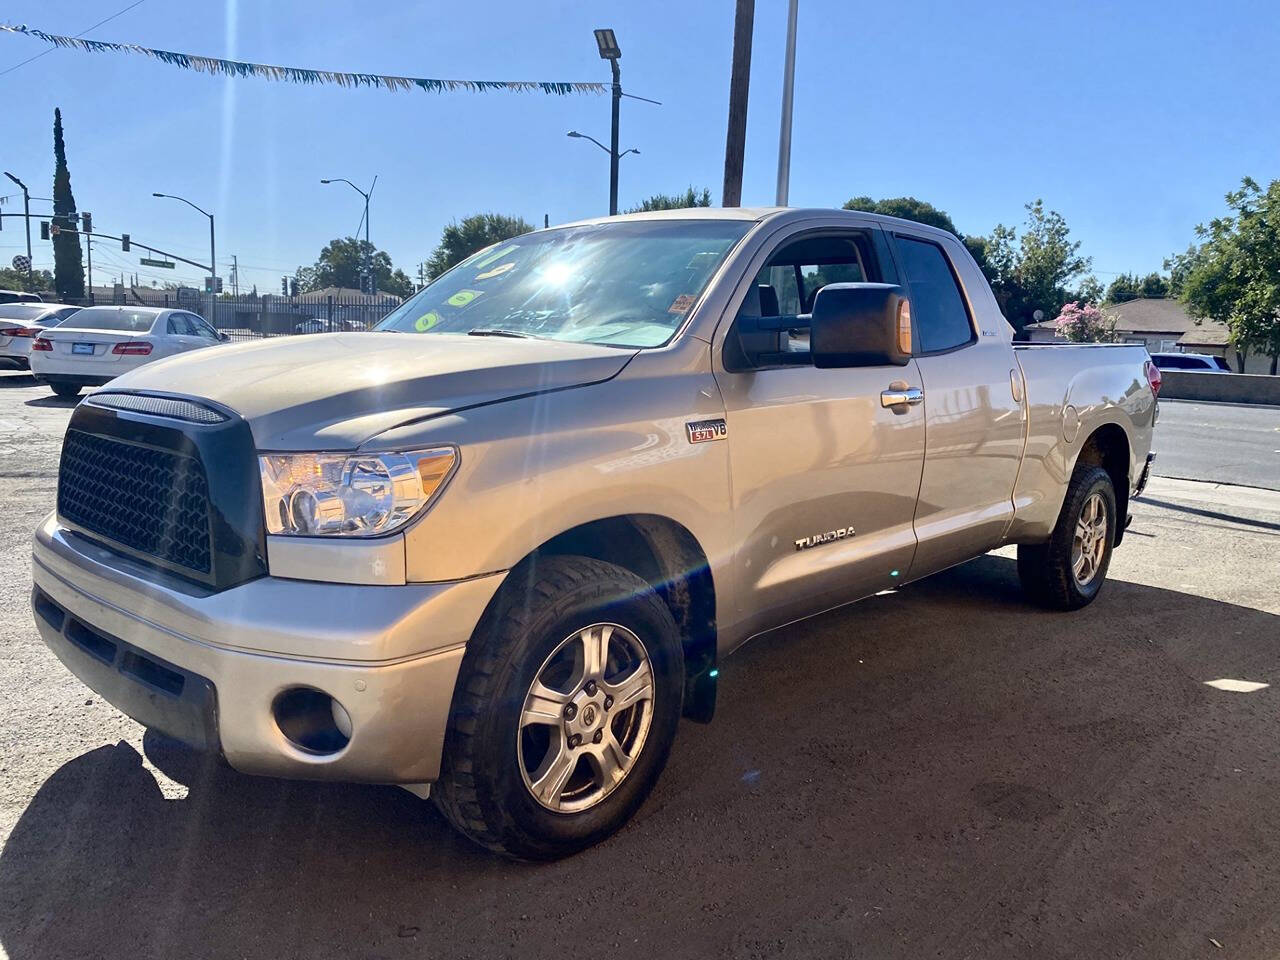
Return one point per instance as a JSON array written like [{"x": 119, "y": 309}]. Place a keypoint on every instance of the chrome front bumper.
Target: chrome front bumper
[{"x": 151, "y": 644}]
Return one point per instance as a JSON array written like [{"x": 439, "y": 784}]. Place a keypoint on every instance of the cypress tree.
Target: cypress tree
[{"x": 68, "y": 266}]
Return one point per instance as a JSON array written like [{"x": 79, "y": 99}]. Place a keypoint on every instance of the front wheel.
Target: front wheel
[
  {"x": 565, "y": 710},
  {"x": 1067, "y": 572}
]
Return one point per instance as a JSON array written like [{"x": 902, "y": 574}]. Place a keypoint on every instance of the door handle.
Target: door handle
[{"x": 899, "y": 394}]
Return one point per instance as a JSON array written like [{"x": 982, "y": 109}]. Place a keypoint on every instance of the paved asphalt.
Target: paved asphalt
[
  {"x": 943, "y": 771},
  {"x": 1219, "y": 441}
]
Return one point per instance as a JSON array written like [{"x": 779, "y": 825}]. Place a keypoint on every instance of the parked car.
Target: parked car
[
  {"x": 1200, "y": 362},
  {"x": 100, "y": 343},
  {"x": 17, "y": 296},
  {"x": 318, "y": 325},
  {"x": 21, "y": 323},
  {"x": 496, "y": 549}
]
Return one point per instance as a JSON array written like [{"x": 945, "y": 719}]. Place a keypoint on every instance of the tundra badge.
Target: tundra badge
[{"x": 817, "y": 539}]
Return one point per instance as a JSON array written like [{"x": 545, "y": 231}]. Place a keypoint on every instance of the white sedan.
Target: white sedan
[
  {"x": 21, "y": 323},
  {"x": 100, "y": 343}
]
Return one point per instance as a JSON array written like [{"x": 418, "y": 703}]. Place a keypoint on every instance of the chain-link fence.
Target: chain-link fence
[{"x": 250, "y": 317}]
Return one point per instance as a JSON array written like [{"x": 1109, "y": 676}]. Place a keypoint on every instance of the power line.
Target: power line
[{"x": 78, "y": 35}]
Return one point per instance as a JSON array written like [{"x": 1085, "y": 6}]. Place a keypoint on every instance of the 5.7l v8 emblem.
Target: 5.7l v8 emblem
[{"x": 700, "y": 431}]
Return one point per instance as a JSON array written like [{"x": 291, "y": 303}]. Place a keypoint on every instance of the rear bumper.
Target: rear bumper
[
  {"x": 207, "y": 667},
  {"x": 46, "y": 376}
]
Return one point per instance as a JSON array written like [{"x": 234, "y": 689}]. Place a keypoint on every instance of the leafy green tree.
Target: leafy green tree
[
  {"x": 1179, "y": 266},
  {"x": 1090, "y": 291},
  {"x": 1124, "y": 288},
  {"x": 1235, "y": 276},
  {"x": 339, "y": 265},
  {"x": 11, "y": 279},
  {"x": 905, "y": 208},
  {"x": 1034, "y": 271},
  {"x": 1154, "y": 287},
  {"x": 677, "y": 201},
  {"x": 461, "y": 240},
  {"x": 68, "y": 264}
]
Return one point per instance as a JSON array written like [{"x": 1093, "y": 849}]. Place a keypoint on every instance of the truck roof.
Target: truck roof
[{"x": 760, "y": 214}]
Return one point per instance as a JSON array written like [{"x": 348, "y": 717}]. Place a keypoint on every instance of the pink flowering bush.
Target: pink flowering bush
[{"x": 1085, "y": 323}]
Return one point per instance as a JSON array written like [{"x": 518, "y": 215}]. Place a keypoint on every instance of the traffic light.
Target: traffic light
[
  {"x": 86, "y": 222},
  {"x": 284, "y": 286},
  {"x": 217, "y": 284},
  {"x": 293, "y": 287},
  {"x": 44, "y": 229},
  {"x": 124, "y": 242}
]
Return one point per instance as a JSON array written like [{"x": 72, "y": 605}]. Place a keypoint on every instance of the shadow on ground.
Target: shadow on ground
[{"x": 940, "y": 772}]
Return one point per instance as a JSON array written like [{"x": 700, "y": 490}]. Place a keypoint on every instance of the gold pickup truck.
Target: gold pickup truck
[{"x": 494, "y": 550}]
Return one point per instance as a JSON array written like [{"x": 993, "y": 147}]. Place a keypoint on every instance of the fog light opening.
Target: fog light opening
[{"x": 312, "y": 720}]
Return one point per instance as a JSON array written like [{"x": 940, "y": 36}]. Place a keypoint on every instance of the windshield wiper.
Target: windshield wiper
[{"x": 497, "y": 332}]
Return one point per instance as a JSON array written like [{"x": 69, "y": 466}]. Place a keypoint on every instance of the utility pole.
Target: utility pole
[
  {"x": 88, "y": 245},
  {"x": 735, "y": 143},
  {"x": 788, "y": 96},
  {"x": 235, "y": 276},
  {"x": 26, "y": 206}
]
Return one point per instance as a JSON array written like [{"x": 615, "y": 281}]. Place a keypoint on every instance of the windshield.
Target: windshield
[
  {"x": 113, "y": 318},
  {"x": 628, "y": 284},
  {"x": 22, "y": 311}
]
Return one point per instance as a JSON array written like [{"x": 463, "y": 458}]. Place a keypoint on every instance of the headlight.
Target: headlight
[{"x": 350, "y": 495}]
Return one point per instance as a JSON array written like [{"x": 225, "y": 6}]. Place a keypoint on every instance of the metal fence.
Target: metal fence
[{"x": 267, "y": 315}]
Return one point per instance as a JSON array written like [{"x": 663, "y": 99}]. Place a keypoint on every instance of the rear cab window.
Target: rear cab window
[
  {"x": 940, "y": 317},
  {"x": 113, "y": 318}
]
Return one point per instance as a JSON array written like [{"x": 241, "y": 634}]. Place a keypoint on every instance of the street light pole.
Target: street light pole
[
  {"x": 788, "y": 95},
  {"x": 213, "y": 256},
  {"x": 607, "y": 44},
  {"x": 26, "y": 209},
  {"x": 614, "y": 157},
  {"x": 368, "y": 247}
]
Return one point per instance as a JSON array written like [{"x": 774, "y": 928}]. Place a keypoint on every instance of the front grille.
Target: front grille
[{"x": 155, "y": 502}]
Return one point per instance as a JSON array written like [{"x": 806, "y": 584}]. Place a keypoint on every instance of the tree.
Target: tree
[
  {"x": 11, "y": 279},
  {"x": 677, "y": 201},
  {"x": 1034, "y": 271},
  {"x": 1234, "y": 277},
  {"x": 68, "y": 265},
  {"x": 1154, "y": 287},
  {"x": 1123, "y": 288},
  {"x": 905, "y": 208},
  {"x": 461, "y": 240},
  {"x": 339, "y": 265},
  {"x": 1085, "y": 323}
]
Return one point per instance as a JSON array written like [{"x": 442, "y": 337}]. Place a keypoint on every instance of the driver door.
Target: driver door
[{"x": 824, "y": 477}]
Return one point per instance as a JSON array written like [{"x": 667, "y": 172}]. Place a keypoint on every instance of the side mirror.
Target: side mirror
[{"x": 860, "y": 325}]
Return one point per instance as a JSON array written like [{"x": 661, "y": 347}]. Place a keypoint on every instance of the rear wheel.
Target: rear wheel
[
  {"x": 66, "y": 390},
  {"x": 565, "y": 710},
  {"x": 1067, "y": 572}
]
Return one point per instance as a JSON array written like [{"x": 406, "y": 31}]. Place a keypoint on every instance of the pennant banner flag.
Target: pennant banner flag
[{"x": 239, "y": 68}]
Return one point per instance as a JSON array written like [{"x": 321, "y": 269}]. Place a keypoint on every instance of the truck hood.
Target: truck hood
[{"x": 334, "y": 391}]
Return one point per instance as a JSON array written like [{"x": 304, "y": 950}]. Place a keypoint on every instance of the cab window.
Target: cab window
[
  {"x": 789, "y": 283},
  {"x": 938, "y": 310}
]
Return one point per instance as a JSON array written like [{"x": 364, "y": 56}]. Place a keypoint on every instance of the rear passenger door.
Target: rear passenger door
[{"x": 974, "y": 423}]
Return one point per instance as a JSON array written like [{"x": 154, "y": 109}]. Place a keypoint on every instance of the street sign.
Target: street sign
[
  {"x": 148, "y": 262},
  {"x": 21, "y": 263}
]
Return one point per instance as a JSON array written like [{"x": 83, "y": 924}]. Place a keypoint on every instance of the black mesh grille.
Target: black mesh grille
[{"x": 153, "y": 501}]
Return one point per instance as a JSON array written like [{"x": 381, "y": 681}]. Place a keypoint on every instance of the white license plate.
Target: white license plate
[{"x": 82, "y": 348}]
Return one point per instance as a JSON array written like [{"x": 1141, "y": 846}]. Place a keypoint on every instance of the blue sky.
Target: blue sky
[{"x": 1131, "y": 119}]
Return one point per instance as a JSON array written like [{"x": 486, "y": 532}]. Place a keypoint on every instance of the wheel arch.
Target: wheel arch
[
  {"x": 1108, "y": 447},
  {"x": 668, "y": 557}
]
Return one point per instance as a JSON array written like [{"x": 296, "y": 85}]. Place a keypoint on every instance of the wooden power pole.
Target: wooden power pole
[{"x": 740, "y": 79}]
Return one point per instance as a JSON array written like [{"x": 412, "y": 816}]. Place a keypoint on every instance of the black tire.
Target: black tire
[
  {"x": 66, "y": 390},
  {"x": 482, "y": 789},
  {"x": 1046, "y": 569}
]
